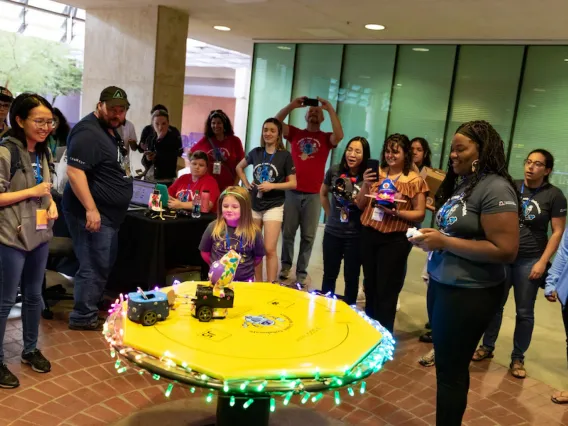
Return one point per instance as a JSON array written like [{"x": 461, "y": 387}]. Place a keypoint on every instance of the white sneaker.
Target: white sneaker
[{"x": 398, "y": 305}]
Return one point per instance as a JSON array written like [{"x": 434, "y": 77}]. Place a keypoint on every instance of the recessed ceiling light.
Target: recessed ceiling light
[
  {"x": 566, "y": 60},
  {"x": 375, "y": 27},
  {"x": 284, "y": 48},
  {"x": 221, "y": 28},
  {"x": 420, "y": 49}
]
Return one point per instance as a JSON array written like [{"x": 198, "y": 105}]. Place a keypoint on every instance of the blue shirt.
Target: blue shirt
[{"x": 557, "y": 279}]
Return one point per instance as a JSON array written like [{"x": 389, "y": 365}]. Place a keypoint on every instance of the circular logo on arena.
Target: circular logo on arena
[{"x": 267, "y": 323}]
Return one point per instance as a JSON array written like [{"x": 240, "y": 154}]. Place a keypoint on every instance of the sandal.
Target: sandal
[
  {"x": 428, "y": 360},
  {"x": 560, "y": 397},
  {"x": 426, "y": 337},
  {"x": 517, "y": 369},
  {"x": 482, "y": 353}
]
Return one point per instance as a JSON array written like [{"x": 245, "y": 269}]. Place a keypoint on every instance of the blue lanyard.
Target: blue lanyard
[
  {"x": 228, "y": 241},
  {"x": 526, "y": 203},
  {"x": 39, "y": 177},
  {"x": 217, "y": 151},
  {"x": 265, "y": 167}
]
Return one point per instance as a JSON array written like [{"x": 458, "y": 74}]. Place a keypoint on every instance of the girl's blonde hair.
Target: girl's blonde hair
[
  {"x": 279, "y": 143},
  {"x": 246, "y": 227}
]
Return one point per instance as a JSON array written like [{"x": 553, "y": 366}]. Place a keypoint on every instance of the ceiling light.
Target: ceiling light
[
  {"x": 284, "y": 48},
  {"x": 566, "y": 60},
  {"x": 420, "y": 49},
  {"x": 221, "y": 28},
  {"x": 375, "y": 27}
]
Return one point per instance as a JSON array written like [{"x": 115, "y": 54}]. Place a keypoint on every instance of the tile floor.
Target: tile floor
[{"x": 84, "y": 388}]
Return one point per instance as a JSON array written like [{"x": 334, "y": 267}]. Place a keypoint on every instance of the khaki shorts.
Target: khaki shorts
[{"x": 275, "y": 214}]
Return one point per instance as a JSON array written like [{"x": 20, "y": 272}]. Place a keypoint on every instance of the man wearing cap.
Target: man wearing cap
[
  {"x": 95, "y": 201},
  {"x": 6, "y": 99}
]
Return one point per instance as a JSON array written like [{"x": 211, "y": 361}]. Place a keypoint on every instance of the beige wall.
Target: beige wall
[{"x": 141, "y": 50}]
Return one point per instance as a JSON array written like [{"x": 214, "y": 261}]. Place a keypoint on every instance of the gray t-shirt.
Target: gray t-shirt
[
  {"x": 334, "y": 225},
  {"x": 493, "y": 194}
]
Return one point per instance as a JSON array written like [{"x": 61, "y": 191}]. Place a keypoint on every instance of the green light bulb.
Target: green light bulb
[
  {"x": 169, "y": 390},
  {"x": 306, "y": 397},
  {"x": 272, "y": 405},
  {"x": 248, "y": 403},
  {"x": 244, "y": 385},
  {"x": 350, "y": 390},
  {"x": 209, "y": 397},
  {"x": 337, "y": 398},
  {"x": 317, "y": 397},
  {"x": 117, "y": 364},
  {"x": 232, "y": 401},
  {"x": 156, "y": 377},
  {"x": 226, "y": 387},
  {"x": 363, "y": 387},
  {"x": 288, "y": 398},
  {"x": 261, "y": 387},
  {"x": 121, "y": 370}
]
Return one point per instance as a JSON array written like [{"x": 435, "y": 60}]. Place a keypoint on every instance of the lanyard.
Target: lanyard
[
  {"x": 265, "y": 167},
  {"x": 228, "y": 242},
  {"x": 526, "y": 203},
  {"x": 216, "y": 150},
  {"x": 39, "y": 177}
]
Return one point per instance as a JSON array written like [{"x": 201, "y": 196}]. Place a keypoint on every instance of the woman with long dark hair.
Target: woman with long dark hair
[
  {"x": 27, "y": 212},
  {"x": 421, "y": 153},
  {"x": 544, "y": 207},
  {"x": 478, "y": 235},
  {"x": 225, "y": 150},
  {"x": 384, "y": 245},
  {"x": 343, "y": 225}
]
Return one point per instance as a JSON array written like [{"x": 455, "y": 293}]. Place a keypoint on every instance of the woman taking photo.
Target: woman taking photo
[
  {"x": 224, "y": 149},
  {"x": 163, "y": 150},
  {"x": 479, "y": 234},
  {"x": 27, "y": 212},
  {"x": 273, "y": 173},
  {"x": 343, "y": 225},
  {"x": 544, "y": 206},
  {"x": 384, "y": 245}
]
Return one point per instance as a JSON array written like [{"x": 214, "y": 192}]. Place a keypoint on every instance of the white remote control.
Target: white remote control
[{"x": 413, "y": 232}]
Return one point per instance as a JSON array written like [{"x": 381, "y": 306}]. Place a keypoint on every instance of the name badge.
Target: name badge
[
  {"x": 217, "y": 168},
  {"x": 344, "y": 215},
  {"x": 378, "y": 214},
  {"x": 41, "y": 219}
]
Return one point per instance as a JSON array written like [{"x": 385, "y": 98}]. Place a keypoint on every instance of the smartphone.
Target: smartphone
[
  {"x": 311, "y": 102},
  {"x": 373, "y": 164}
]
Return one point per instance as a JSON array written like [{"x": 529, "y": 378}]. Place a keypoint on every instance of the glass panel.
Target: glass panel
[
  {"x": 48, "y": 5},
  {"x": 543, "y": 108},
  {"x": 421, "y": 94},
  {"x": 486, "y": 87},
  {"x": 10, "y": 17},
  {"x": 44, "y": 25},
  {"x": 365, "y": 92}
]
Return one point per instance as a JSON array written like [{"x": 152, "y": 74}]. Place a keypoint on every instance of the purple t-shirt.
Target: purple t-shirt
[{"x": 218, "y": 248}]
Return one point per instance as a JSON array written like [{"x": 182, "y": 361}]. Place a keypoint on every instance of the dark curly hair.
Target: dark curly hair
[
  {"x": 227, "y": 126},
  {"x": 427, "y": 159},
  {"x": 491, "y": 161},
  {"x": 394, "y": 140}
]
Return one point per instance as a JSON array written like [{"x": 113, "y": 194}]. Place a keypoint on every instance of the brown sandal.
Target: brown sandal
[
  {"x": 482, "y": 353},
  {"x": 560, "y": 397},
  {"x": 517, "y": 369}
]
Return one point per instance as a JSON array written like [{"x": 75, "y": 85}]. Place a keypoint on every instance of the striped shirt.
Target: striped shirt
[{"x": 407, "y": 188}]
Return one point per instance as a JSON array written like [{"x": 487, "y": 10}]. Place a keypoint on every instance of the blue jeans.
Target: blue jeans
[
  {"x": 334, "y": 250},
  {"x": 96, "y": 253},
  {"x": 300, "y": 210},
  {"x": 525, "y": 291},
  {"x": 26, "y": 269}
]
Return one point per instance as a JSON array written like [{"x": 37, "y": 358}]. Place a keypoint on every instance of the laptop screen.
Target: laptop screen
[{"x": 141, "y": 192}]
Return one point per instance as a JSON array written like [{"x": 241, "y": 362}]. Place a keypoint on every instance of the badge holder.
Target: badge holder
[
  {"x": 41, "y": 219},
  {"x": 344, "y": 215},
  {"x": 217, "y": 168}
]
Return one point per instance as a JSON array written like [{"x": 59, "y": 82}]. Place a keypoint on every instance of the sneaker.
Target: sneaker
[
  {"x": 7, "y": 379},
  {"x": 301, "y": 283},
  {"x": 37, "y": 361},
  {"x": 428, "y": 360},
  {"x": 284, "y": 274},
  {"x": 95, "y": 326}
]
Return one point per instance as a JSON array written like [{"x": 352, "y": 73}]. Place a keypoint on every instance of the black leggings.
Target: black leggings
[
  {"x": 459, "y": 317},
  {"x": 384, "y": 266}
]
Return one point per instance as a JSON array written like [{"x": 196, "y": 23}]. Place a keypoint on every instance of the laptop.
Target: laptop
[{"x": 141, "y": 191}]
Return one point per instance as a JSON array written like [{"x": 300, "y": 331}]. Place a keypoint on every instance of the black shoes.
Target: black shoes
[
  {"x": 95, "y": 326},
  {"x": 7, "y": 379},
  {"x": 37, "y": 361}
]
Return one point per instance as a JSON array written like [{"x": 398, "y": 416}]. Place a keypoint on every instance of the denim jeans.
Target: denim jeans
[
  {"x": 458, "y": 317},
  {"x": 300, "y": 210},
  {"x": 525, "y": 291},
  {"x": 336, "y": 249},
  {"x": 565, "y": 320},
  {"x": 96, "y": 253},
  {"x": 25, "y": 269}
]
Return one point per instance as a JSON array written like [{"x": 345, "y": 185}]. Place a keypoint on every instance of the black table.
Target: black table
[{"x": 148, "y": 248}]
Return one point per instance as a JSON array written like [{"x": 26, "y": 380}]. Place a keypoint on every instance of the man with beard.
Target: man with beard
[
  {"x": 6, "y": 99},
  {"x": 95, "y": 201},
  {"x": 310, "y": 149}
]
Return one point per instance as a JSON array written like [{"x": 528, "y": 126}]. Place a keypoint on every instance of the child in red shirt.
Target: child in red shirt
[{"x": 184, "y": 188}]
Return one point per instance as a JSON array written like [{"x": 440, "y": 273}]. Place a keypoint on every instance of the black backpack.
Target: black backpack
[{"x": 15, "y": 160}]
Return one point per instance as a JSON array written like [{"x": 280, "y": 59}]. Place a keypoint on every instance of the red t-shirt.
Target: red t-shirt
[
  {"x": 309, "y": 151},
  {"x": 231, "y": 152},
  {"x": 184, "y": 189}
]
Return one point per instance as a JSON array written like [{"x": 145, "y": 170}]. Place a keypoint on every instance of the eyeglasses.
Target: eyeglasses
[
  {"x": 43, "y": 123},
  {"x": 4, "y": 105},
  {"x": 535, "y": 163}
]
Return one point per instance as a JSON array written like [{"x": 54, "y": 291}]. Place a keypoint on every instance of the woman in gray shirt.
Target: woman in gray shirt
[{"x": 478, "y": 235}]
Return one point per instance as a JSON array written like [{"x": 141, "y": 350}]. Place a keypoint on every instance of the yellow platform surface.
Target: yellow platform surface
[{"x": 271, "y": 331}]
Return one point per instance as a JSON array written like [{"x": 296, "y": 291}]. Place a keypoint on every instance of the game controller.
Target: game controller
[{"x": 413, "y": 232}]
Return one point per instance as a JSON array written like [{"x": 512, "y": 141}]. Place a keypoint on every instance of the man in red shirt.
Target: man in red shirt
[{"x": 310, "y": 149}]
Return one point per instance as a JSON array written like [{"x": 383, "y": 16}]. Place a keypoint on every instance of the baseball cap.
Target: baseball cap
[
  {"x": 6, "y": 95},
  {"x": 113, "y": 95}
]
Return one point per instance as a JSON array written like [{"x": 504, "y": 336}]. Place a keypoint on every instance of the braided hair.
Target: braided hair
[
  {"x": 402, "y": 141},
  {"x": 491, "y": 161}
]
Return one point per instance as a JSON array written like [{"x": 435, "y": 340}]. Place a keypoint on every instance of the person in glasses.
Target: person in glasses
[
  {"x": 544, "y": 207},
  {"x": 224, "y": 149},
  {"x": 6, "y": 99}
]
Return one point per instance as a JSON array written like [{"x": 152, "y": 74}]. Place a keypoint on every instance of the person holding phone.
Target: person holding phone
[
  {"x": 384, "y": 245},
  {"x": 310, "y": 149}
]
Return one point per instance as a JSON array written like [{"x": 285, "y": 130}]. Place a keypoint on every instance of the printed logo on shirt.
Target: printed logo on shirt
[
  {"x": 184, "y": 195},
  {"x": 76, "y": 160},
  {"x": 265, "y": 172},
  {"x": 528, "y": 210},
  {"x": 507, "y": 203},
  {"x": 224, "y": 154},
  {"x": 308, "y": 147}
]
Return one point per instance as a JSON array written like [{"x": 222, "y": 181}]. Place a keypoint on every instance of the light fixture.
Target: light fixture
[
  {"x": 284, "y": 48},
  {"x": 566, "y": 60},
  {"x": 221, "y": 28},
  {"x": 420, "y": 49},
  {"x": 375, "y": 27}
]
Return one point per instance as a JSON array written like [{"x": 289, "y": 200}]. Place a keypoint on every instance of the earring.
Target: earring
[{"x": 474, "y": 166}]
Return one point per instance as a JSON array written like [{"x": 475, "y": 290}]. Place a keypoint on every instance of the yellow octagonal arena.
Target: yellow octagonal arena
[{"x": 270, "y": 333}]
